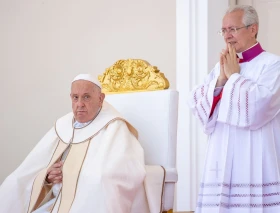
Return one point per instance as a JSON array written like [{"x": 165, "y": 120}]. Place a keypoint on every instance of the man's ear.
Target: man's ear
[
  {"x": 101, "y": 97},
  {"x": 254, "y": 29}
]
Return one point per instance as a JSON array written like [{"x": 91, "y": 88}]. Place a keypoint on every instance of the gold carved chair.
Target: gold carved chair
[{"x": 140, "y": 93}]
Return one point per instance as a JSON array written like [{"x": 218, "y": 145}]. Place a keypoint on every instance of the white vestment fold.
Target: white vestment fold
[{"x": 242, "y": 166}]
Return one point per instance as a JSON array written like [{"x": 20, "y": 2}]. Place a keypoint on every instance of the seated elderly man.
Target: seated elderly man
[{"x": 90, "y": 161}]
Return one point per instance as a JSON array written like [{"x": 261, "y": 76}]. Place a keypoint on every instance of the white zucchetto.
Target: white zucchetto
[{"x": 87, "y": 77}]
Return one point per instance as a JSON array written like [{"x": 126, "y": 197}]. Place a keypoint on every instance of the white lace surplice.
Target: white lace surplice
[{"x": 243, "y": 158}]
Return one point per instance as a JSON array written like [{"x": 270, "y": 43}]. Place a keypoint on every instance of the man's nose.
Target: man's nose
[
  {"x": 80, "y": 102},
  {"x": 227, "y": 35}
]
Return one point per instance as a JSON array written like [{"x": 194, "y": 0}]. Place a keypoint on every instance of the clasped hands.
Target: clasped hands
[
  {"x": 54, "y": 173},
  {"x": 229, "y": 64}
]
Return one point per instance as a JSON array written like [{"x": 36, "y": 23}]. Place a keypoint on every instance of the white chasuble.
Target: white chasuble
[
  {"x": 103, "y": 171},
  {"x": 242, "y": 167}
]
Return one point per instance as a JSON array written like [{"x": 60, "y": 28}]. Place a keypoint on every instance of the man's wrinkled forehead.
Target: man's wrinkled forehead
[{"x": 233, "y": 18}]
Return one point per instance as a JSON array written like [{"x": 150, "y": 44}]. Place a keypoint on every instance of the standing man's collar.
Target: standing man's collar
[{"x": 250, "y": 53}]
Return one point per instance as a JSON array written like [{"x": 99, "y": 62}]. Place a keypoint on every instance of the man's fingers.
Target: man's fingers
[
  {"x": 58, "y": 178},
  {"x": 221, "y": 59},
  {"x": 224, "y": 51},
  {"x": 229, "y": 48},
  {"x": 227, "y": 58},
  {"x": 55, "y": 177},
  {"x": 233, "y": 54},
  {"x": 231, "y": 51},
  {"x": 55, "y": 166},
  {"x": 55, "y": 172},
  {"x": 54, "y": 169}
]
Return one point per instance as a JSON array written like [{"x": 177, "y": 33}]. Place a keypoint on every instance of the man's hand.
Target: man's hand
[
  {"x": 222, "y": 79},
  {"x": 54, "y": 173},
  {"x": 231, "y": 62}
]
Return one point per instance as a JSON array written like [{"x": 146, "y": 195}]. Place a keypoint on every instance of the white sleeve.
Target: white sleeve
[
  {"x": 201, "y": 100},
  {"x": 250, "y": 104}
]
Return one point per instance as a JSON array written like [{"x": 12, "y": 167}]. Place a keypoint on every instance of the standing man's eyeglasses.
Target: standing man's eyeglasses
[{"x": 231, "y": 30}]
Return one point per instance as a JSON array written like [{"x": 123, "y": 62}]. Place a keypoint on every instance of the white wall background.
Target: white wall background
[{"x": 45, "y": 43}]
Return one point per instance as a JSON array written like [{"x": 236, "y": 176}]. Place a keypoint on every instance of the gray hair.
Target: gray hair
[{"x": 250, "y": 15}]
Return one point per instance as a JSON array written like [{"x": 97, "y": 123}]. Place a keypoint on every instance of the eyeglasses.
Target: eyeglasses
[{"x": 231, "y": 30}]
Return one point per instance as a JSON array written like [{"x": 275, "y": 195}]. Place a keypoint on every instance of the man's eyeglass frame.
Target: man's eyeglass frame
[{"x": 231, "y": 30}]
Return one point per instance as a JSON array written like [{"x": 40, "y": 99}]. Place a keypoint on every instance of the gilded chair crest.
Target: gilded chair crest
[{"x": 132, "y": 75}]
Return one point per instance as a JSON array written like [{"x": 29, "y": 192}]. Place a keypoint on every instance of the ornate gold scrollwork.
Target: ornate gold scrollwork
[{"x": 132, "y": 75}]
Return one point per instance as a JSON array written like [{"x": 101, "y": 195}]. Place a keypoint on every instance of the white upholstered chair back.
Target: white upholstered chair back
[{"x": 154, "y": 115}]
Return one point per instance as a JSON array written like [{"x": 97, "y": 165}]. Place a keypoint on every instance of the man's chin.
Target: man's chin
[{"x": 80, "y": 118}]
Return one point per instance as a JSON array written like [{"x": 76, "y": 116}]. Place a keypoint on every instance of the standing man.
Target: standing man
[
  {"x": 238, "y": 106},
  {"x": 90, "y": 161}
]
